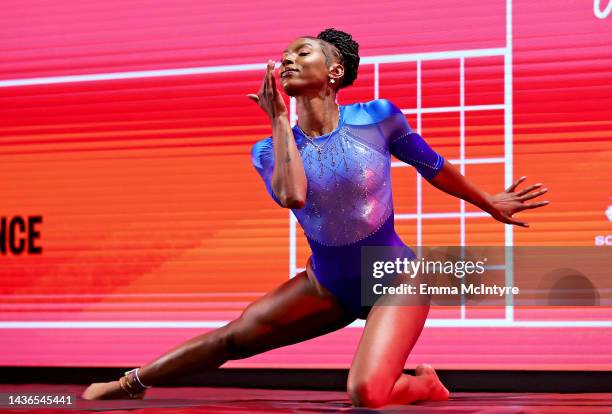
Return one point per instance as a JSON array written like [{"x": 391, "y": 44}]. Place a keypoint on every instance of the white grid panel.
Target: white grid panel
[
  {"x": 461, "y": 161},
  {"x": 507, "y": 160}
]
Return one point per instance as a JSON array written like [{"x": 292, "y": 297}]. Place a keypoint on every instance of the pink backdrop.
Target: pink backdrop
[{"x": 156, "y": 228}]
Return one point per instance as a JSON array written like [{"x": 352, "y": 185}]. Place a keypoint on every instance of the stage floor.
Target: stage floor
[{"x": 243, "y": 400}]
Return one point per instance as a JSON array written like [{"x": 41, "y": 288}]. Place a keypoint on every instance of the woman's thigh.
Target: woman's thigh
[{"x": 297, "y": 310}]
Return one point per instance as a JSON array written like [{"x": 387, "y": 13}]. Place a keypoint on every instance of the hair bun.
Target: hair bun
[{"x": 349, "y": 50}]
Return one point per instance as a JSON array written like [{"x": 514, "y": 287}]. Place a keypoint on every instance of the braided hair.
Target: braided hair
[{"x": 339, "y": 44}]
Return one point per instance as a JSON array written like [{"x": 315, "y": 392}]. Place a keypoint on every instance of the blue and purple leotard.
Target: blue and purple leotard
[{"x": 348, "y": 201}]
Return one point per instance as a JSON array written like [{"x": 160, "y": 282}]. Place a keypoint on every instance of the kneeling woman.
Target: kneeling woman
[{"x": 333, "y": 170}]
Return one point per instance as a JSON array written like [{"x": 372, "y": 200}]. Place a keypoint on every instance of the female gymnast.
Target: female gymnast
[{"x": 333, "y": 170}]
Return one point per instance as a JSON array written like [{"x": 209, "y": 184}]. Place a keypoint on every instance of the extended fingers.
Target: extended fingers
[
  {"x": 521, "y": 223},
  {"x": 517, "y": 182},
  {"x": 526, "y": 197},
  {"x": 269, "y": 75},
  {"x": 535, "y": 205},
  {"x": 273, "y": 78},
  {"x": 517, "y": 222},
  {"x": 263, "y": 88},
  {"x": 528, "y": 189},
  {"x": 265, "y": 80}
]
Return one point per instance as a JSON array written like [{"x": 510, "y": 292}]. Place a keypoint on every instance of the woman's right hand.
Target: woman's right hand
[{"x": 269, "y": 97}]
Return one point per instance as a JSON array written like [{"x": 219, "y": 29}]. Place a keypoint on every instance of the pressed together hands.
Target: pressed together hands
[
  {"x": 501, "y": 206},
  {"x": 269, "y": 97}
]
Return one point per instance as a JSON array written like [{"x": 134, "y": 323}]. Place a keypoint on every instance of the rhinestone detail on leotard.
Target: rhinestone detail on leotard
[{"x": 348, "y": 196}]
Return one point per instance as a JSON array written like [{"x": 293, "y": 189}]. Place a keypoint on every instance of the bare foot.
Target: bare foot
[
  {"x": 106, "y": 391},
  {"x": 438, "y": 390}
]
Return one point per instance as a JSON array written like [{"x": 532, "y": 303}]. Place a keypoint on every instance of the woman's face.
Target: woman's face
[{"x": 304, "y": 69}]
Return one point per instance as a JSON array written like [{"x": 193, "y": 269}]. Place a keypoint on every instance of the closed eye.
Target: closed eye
[{"x": 301, "y": 54}]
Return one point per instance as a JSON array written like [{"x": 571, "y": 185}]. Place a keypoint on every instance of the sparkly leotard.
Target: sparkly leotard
[{"x": 348, "y": 201}]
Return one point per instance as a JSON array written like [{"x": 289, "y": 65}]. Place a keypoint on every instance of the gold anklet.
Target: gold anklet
[{"x": 128, "y": 389}]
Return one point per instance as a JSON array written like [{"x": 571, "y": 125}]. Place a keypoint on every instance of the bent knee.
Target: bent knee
[{"x": 364, "y": 393}]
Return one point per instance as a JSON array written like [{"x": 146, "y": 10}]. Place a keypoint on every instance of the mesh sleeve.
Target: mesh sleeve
[
  {"x": 262, "y": 157},
  {"x": 410, "y": 147}
]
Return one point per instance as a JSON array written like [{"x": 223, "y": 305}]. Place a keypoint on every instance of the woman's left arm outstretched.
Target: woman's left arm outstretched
[
  {"x": 500, "y": 206},
  {"x": 410, "y": 147}
]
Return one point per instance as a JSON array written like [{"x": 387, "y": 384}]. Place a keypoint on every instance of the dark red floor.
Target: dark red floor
[{"x": 241, "y": 400}]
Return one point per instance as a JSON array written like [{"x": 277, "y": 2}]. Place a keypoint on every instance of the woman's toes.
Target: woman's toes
[
  {"x": 438, "y": 390},
  {"x": 440, "y": 393},
  {"x": 93, "y": 391},
  {"x": 425, "y": 369},
  {"x": 105, "y": 391}
]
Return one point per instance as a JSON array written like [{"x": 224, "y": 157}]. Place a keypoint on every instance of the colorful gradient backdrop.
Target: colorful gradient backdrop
[{"x": 156, "y": 227}]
